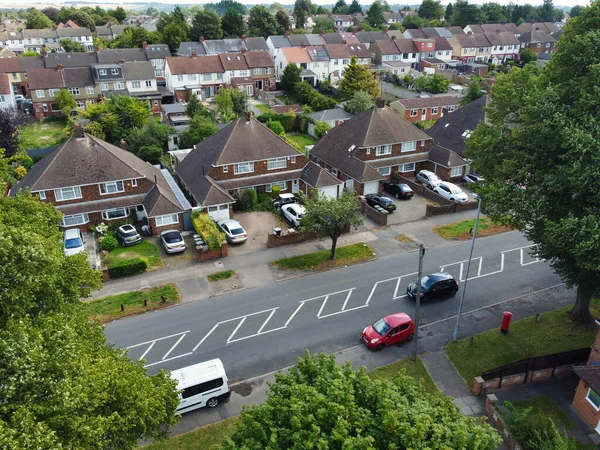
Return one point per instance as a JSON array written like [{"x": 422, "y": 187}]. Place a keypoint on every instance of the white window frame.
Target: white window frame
[
  {"x": 45, "y": 107},
  {"x": 408, "y": 167},
  {"x": 268, "y": 70},
  {"x": 451, "y": 108},
  {"x": 246, "y": 167},
  {"x": 74, "y": 90},
  {"x": 59, "y": 194},
  {"x": 134, "y": 183},
  {"x": 456, "y": 171},
  {"x": 148, "y": 83},
  {"x": 191, "y": 77},
  {"x": 118, "y": 187},
  {"x": 114, "y": 71},
  {"x": 282, "y": 185},
  {"x": 40, "y": 93},
  {"x": 80, "y": 104},
  {"x": 179, "y": 77},
  {"x": 385, "y": 171},
  {"x": 83, "y": 219},
  {"x": 105, "y": 213},
  {"x": 587, "y": 397},
  {"x": 90, "y": 101},
  {"x": 102, "y": 71},
  {"x": 225, "y": 169},
  {"x": 104, "y": 87},
  {"x": 276, "y": 163},
  {"x": 166, "y": 219},
  {"x": 414, "y": 112},
  {"x": 406, "y": 148},
  {"x": 435, "y": 110},
  {"x": 136, "y": 84},
  {"x": 207, "y": 77},
  {"x": 381, "y": 150},
  {"x": 89, "y": 90},
  {"x": 334, "y": 171},
  {"x": 42, "y": 195},
  {"x": 293, "y": 160},
  {"x": 258, "y": 71},
  {"x": 51, "y": 92},
  {"x": 119, "y": 86}
]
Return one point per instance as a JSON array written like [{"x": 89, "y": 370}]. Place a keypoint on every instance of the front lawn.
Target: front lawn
[
  {"x": 144, "y": 249},
  {"x": 526, "y": 338},
  {"x": 302, "y": 140},
  {"x": 344, "y": 256},
  {"x": 459, "y": 231},
  {"x": 43, "y": 134},
  {"x": 109, "y": 308},
  {"x": 203, "y": 438},
  {"x": 261, "y": 107},
  {"x": 414, "y": 369}
]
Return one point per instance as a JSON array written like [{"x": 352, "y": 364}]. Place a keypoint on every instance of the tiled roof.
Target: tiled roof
[
  {"x": 233, "y": 61},
  {"x": 482, "y": 40},
  {"x": 337, "y": 51},
  {"x": 141, "y": 70},
  {"x": 590, "y": 375},
  {"x": 5, "y": 86},
  {"x": 466, "y": 40},
  {"x": 233, "y": 45},
  {"x": 280, "y": 41},
  {"x": 406, "y": 46},
  {"x": 367, "y": 37},
  {"x": 73, "y": 32},
  {"x": 315, "y": 39},
  {"x": 445, "y": 157},
  {"x": 258, "y": 59},
  {"x": 331, "y": 114},
  {"x": 180, "y": 65},
  {"x": 456, "y": 30},
  {"x": 256, "y": 44},
  {"x": 350, "y": 38},
  {"x": 358, "y": 50},
  {"x": 317, "y": 53},
  {"x": 71, "y": 59},
  {"x": 186, "y": 49},
  {"x": 428, "y": 102},
  {"x": 44, "y": 79},
  {"x": 214, "y": 46},
  {"x": 296, "y": 40},
  {"x": 502, "y": 38},
  {"x": 295, "y": 55},
  {"x": 416, "y": 33},
  {"x": 77, "y": 77},
  {"x": 532, "y": 37},
  {"x": 442, "y": 43},
  {"x": 475, "y": 28},
  {"x": 332, "y": 38},
  {"x": 316, "y": 176},
  {"x": 387, "y": 47}
]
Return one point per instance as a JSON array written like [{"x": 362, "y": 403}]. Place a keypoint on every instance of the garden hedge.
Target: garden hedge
[
  {"x": 207, "y": 228},
  {"x": 126, "y": 267}
]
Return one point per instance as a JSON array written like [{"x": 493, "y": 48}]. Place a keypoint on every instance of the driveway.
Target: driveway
[
  {"x": 407, "y": 210},
  {"x": 173, "y": 260},
  {"x": 258, "y": 225}
]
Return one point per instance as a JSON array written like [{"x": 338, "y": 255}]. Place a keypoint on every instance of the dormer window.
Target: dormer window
[
  {"x": 102, "y": 71},
  {"x": 114, "y": 71}
]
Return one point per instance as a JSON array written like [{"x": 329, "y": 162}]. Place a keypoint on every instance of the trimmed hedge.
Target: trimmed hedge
[
  {"x": 126, "y": 267},
  {"x": 109, "y": 243},
  {"x": 207, "y": 228}
]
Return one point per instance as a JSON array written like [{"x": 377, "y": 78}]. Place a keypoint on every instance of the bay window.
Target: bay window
[
  {"x": 74, "y": 220},
  {"x": 117, "y": 213}
]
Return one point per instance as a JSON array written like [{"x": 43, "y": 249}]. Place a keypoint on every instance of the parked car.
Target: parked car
[
  {"x": 381, "y": 201},
  {"x": 73, "y": 242},
  {"x": 472, "y": 178},
  {"x": 399, "y": 190},
  {"x": 434, "y": 285},
  {"x": 172, "y": 241},
  {"x": 293, "y": 213},
  {"x": 234, "y": 233},
  {"x": 284, "y": 199},
  {"x": 428, "y": 178},
  {"x": 389, "y": 330},
  {"x": 127, "y": 235},
  {"x": 451, "y": 191}
]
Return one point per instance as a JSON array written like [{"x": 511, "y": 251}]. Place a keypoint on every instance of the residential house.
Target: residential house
[
  {"x": 391, "y": 17},
  {"x": 332, "y": 38},
  {"x": 201, "y": 76},
  {"x": 428, "y": 108},
  {"x": 456, "y": 30},
  {"x": 415, "y": 33},
  {"x": 316, "y": 178},
  {"x": 368, "y": 148},
  {"x": 362, "y": 53},
  {"x": 430, "y": 66},
  {"x": 45, "y": 83},
  {"x": 72, "y": 59},
  {"x": 275, "y": 44},
  {"x": 314, "y": 39},
  {"x": 16, "y": 69},
  {"x": 91, "y": 181},
  {"x": 236, "y": 67},
  {"x": 243, "y": 155},
  {"x": 425, "y": 48},
  {"x": 68, "y": 24},
  {"x": 464, "y": 47},
  {"x": 110, "y": 79},
  {"x": 191, "y": 49},
  {"x": 368, "y": 37},
  {"x": 320, "y": 62},
  {"x": 505, "y": 45},
  {"x": 409, "y": 53},
  {"x": 298, "y": 40},
  {"x": 7, "y": 96},
  {"x": 484, "y": 48},
  {"x": 339, "y": 58},
  {"x": 298, "y": 56},
  {"x": 586, "y": 401},
  {"x": 81, "y": 35},
  {"x": 402, "y": 51},
  {"x": 333, "y": 117},
  {"x": 443, "y": 48},
  {"x": 386, "y": 50},
  {"x": 395, "y": 34},
  {"x": 342, "y": 21},
  {"x": 450, "y": 134},
  {"x": 156, "y": 54},
  {"x": 109, "y": 32},
  {"x": 13, "y": 40},
  {"x": 262, "y": 70},
  {"x": 35, "y": 40},
  {"x": 175, "y": 115},
  {"x": 255, "y": 44},
  {"x": 349, "y": 39},
  {"x": 546, "y": 27},
  {"x": 7, "y": 53},
  {"x": 141, "y": 83},
  {"x": 435, "y": 32},
  {"x": 537, "y": 40}
]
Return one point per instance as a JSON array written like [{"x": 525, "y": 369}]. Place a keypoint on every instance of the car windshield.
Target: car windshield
[
  {"x": 237, "y": 231},
  {"x": 427, "y": 282},
  {"x": 454, "y": 189},
  {"x": 385, "y": 200},
  {"x": 381, "y": 327},
  {"x": 434, "y": 177},
  {"x": 172, "y": 237},
  {"x": 73, "y": 243},
  {"x": 405, "y": 188}
]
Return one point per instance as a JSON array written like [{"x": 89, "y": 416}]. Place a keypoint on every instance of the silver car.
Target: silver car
[
  {"x": 172, "y": 241},
  {"x": 428, "y": 178},
  {"x": 234, "y": 233}
]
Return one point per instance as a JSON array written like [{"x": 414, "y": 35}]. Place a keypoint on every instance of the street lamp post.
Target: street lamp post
[
  {"x": 462, "y": 297},
  {"x": 418, "y": 302}
]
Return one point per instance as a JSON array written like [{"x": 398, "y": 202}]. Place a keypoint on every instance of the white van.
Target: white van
[{"x": 203, "y": 384}]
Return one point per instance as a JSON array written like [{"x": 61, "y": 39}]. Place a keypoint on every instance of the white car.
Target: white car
[
  {"x": 172, "y": 241},
  {"x": 429, "y": 179},
  {"x": 73, "y": 242},
  {"x": 234, "y": 233},
  {"x": 293, "y": 213},
  {"x": 451, "y": 192}
]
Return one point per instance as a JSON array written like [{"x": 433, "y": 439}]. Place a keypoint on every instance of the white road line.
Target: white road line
[
  {"x": 236, "y": 329},
  {"x": 173, "y": 348},
  {"x": 159, "y": 339},
  {"x": 267, "y": 320},
  {"x": 342, "y": 312},
  {"x": 346, "y": 301},
  {"x": 167, "y": 360},
  {"x": 206, "y": 336},
  {"x": 147, "y": 350},
  {"x": 323, "y": 305},
  {"x": 293, "y": 314},
  {"x": 254, "y": 335}
]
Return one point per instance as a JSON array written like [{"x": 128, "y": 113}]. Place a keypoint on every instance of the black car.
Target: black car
[
  {"x": 434, "y": 285},
  {"x": 127, "y": 235},
  {"x": 381, "y": 201},
  {"x": 400, "y": 190},
  {"x": 284, "y": 199}
]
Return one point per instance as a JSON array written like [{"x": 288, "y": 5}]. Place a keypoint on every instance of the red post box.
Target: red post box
[{"x": 506, "y": 322}]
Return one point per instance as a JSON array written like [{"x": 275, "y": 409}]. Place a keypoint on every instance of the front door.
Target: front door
[
  {"x": 424, "y": 114},
  {"x": 140, "y": 212},
  {"x": 259, "y": 85},
  {"x": 350, "y": 184},
  {"x": 295, "y": 186}
]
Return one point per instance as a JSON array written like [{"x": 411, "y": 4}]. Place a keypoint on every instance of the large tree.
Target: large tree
[
  {"x": 10, "y": 122},
  {"x": 355, "y": 8},
  {"x": 200, "y": 128},
  {"x": 290, "y": 76},
  {"x": 360, "y": 101},
  {"x": 375, "y": 14},
  {"x": 540, "y": 151},
  {"x": 173, "y": 29},
  {"x": 547, "y": 11},
  {"x": 72, "y": 46},
  {"x": 448, "y": 13},
  {"x": 331, "y": 216},
  {"x": 323, "y": 25},
  {"x": 148, "y": 142},
  {"x": 358, "y": 78},
  {"x": 576, "y": 11},
  {"x": 463, "y": 13},
  {"x": 206, "y": 24},
  {"x": 35, "y": 19},
  {"x": 51, "y": 12},
  {"x": 232, "y": 24},
  {"x": 494, "y": 12},
  {"x": 283, "y": 19},
  {"x": 118, "y": 13},
  {"x": 431, "y": 9},
  {"x": 318, "y": 404},
  {"x": 231, "y": 103},
  {"x": 340, "y": 7},
  {"x": 65, "y": 101},
  {"x": 134, "y": 37},
  {"x": 223, "y": 6},
  {"x": 80, "y": 17},
  {"x": 262, "y": 23}
]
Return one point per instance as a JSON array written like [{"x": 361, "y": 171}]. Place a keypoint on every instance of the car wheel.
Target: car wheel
[
  {"x": 397, "y": 195},
  {"x": 410, "y": 338},
  {"x": 379, "y": 347},
  {"x": 454, "y": 292},
  {"x": 212, "y": 402}
]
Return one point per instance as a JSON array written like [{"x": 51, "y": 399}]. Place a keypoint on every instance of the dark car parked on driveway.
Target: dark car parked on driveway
[
  {"x": 399, "y": 190},
  {"x": 381, "y": 201},
  {"x": 434, "y": 285},
  {"x": 127, "y": 235}
]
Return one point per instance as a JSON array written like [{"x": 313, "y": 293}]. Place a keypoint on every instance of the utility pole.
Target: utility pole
[
  {"x": 418, "y": 301},
  {"x": 464, "y": 289}
]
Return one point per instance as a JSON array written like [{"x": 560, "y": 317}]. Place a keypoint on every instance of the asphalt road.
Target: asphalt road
[{"x": 264, "y": 329}]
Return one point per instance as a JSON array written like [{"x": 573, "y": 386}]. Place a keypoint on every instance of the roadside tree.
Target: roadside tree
[
  {"x": 330, "y": 216},
  {"x": 10, "y": 122},
  {"x": 319, "y": 404},
  {"x": 358, "y": 78}
]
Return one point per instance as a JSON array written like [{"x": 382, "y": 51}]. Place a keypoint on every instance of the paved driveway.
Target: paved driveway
[
  {"x": 407, "y": 210},
  {"x": 258, "y": 225}
]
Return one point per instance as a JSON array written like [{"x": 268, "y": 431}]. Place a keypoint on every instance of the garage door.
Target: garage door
[
  {"x": 220, "y": 212},
  {"x": 371, "y": 187},
  {"x": 329, "y": 191}
]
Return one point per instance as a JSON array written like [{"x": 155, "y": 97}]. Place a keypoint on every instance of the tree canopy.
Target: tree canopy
[
  {"x": 10, "y": 122},
  {"x": 375, "y": 14},
  {"x": 173, "y": 29},
  {"x": 206, "y": 24},
  {"x": 540, "y": 152},
  {"x": 222, "y": 7},
  {"x": 318, "y": 404},
  {"x": 358, "y": 78},
  {"x": 65, "y": 101},
  {"x": 283, "y": 20},
  {"x": 360, "y": 101},
  {"x": 431, "y": 9},
  {"x": 262, "y": 23},
  {"x": 355, "y": 8},
  {"x": 149, "y": 141},
  {"x": 36, "y": 19},
  {"x": 340, "y": 7},
  {"x": 323, "y": 25},
  {"x": 473, "y": 92},
  {"x": 289, "y": 78},
  {"x": 201, "y": 127},
  {"x": 231, "y": 103},
  {"x": 232, "y": 24},
  {"x": 72, "y": 46}
]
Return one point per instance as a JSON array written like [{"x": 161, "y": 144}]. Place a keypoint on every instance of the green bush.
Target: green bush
[
  {"x": 109, "y": 243},
  {"x": 288, "y": 120},
  {"x": 276, "y": 127},
  {"x": 275, "y": 191},
  {"x": 249, "y": 199},
  {"x": 207, "y": 228},
  {"x": 127, "y": 267}
]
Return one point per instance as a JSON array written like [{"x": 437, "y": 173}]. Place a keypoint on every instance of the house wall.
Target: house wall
[
  {"x": 539, "y": 47},
  {"x": 422, "y": 146},
  {"x": 585, "y": 410},
  {"x": 429, "y": 115},
  {"x": 157, "y": 230},
  {"x": 260, "y": 168}
]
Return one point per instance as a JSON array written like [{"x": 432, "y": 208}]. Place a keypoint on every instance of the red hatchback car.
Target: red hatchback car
[{"x": 389, "y": 330}]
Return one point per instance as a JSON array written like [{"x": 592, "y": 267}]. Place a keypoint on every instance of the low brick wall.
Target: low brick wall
[
  {"x": 498, "y": 422},
  {"x": 203, "y": 254},
  {"x": 480, "y": 385},
  {"x": 376, "y": 216},
  {"x": 288, "y": 238}
]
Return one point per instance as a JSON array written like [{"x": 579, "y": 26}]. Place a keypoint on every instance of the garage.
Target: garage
[
  {"x": 372, "y": 187},
  {"x": 329, "y": 191},
  {"x": 219, "y": 212}
]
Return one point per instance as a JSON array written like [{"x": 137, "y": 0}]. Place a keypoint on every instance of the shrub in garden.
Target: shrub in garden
[
  {"x": 275, "y": 191},
  {"x": 109, "y": 243},
  {"x": 249, "y": 199},
  {"x": 276, "y": 127},
  {"x": 207, "y": 228},
  {"x": 127, "y": 267}
]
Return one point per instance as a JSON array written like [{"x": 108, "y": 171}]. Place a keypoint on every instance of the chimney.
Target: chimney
[
  {"x": 447, "y": 26},
  {"x": 156, "y": 179},
  {"x": 286, "y": 34},
  {"x": 537, "y": 28},
  {"x": 79, "y": 132},
  {"x": 470, "y": 33},
  {"x": 380, "y": 103},
  {"x": 121, "y": 61},
  {"x": 393, "y": 37},
  {"x": 96, "y": 49},
  {"x": 248, "y": 116},
  {"x": 193, "y": 55},
  {"x": 59, "y": 67},
  {"x": 201, "y": 38},
  {"x": 421, "y": 27},
  {"x": 322, "y": 33},
  {"x": 244, "y": 50},
  {"x": 497, "y": 31},
  {"x": 244, "y": 37},
  {"x": 303, "y": 45},
  {"x": 144, "y": 45},
  {"x": 344, "y": 42}
]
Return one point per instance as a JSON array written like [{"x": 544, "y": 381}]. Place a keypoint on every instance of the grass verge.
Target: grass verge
[
  {"x": 217, "y": 276},
  {"x": 109, "y": 308},
  {"x": 302, "y": 140},
  {"x": 204, "y": 438},
  {"x": 42, "y": 134},
  {"x": 459, "y": 231},
  {"x": 415, "y": 369},
  {"x": 344, "y": 256},
  {"x": 144, "y": 249},
  {"x": 403, "y": 238},
  {"x": 526, "y": 338},
  {"x": 261, "y": 107}
]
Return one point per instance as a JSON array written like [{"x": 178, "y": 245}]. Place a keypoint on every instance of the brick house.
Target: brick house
[
  {"x": 91, "y": 181},
  {"x": 7, "y": 97},
  {"x": 586, "y": 401},
  {"x": 262, "y": 69},
  {"x": 429, "y": 108},
  {"x": 464, "y": 47},
  {"x": 505, "y": 45},
  {"x": 140, "y": 82},
  {"x": 243, "y": 155},
  {"x": 370, "y": 147},
  {"x": 537, "y": 40},
  {"x": 16, "y": 69},
  {"x": 201, "y": 76}
]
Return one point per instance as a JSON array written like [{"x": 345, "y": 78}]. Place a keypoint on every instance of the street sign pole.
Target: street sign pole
[{"x": 418, "y": 301}]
